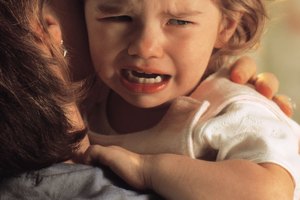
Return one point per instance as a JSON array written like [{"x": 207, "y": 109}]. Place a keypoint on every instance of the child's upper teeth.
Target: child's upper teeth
[{"x": 137, "y": 76}]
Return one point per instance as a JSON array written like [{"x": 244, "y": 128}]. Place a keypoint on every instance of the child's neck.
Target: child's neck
[{"x": 126, "y": 118}]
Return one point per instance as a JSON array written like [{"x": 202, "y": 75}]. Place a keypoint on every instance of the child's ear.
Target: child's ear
[
  {"x": 226, "y": 30},
  {"x": 53, "y": 26}
]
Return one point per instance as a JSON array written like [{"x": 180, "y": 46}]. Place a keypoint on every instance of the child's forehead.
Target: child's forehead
[{"x": 168, "y": 5}]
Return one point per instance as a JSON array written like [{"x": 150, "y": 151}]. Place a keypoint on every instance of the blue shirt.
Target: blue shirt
[{"x": 70, "y": 181}]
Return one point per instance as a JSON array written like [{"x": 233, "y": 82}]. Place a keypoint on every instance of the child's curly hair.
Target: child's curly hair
[{"x": 248, "y": 32}]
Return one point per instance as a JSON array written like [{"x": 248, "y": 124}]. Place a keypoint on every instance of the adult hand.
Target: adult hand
[{"x": 244, "y": 71}]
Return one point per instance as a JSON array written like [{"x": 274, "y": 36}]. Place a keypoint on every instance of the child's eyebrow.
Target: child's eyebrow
[
  {"x": 111, "y": 8},
  {"x": 184, "y": 14}
]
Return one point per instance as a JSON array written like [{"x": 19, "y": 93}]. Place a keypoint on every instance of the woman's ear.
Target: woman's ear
[
  {"x": 227, "y": 29},
  {"x": 52, "y": 25}
]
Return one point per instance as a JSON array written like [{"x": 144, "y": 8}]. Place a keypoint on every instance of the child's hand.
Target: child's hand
[
  {"x": 179, "y": 177},
  {"x": 128, "y": 165}
]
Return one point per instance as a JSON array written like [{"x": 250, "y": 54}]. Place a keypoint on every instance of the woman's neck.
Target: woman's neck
[{"x": 126, "y": 118}]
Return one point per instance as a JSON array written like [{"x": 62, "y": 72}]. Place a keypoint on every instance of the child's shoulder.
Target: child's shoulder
[
  {"x": 220, "y": 92},
  {"x": 240, "y": 105}
]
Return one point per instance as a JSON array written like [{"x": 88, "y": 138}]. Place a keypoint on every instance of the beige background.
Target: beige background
[{"x": 280, "y": 49}]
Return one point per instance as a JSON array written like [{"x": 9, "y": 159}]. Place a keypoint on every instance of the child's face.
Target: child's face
[{"x": 152, "y": 51}]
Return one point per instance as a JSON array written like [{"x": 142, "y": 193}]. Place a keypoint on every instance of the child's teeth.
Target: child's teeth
[{"x": 137, "y": 79}]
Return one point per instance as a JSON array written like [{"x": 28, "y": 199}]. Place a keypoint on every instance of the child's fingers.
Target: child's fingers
[
  {"x": 94, "y": 154},
  {"x": 267, "y": 84},
  {"x": 243, "y": 70},
  {"x": 285, "y": 104},
  {"x": 126, "y": 164},
  {"x": 104, "y": 155}
]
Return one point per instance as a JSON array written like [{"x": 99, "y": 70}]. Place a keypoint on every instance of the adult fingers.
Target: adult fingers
[
  {"x": 267, "y": 84},
  {"x": 285, "y": 104},
  {"x": 243, "y": 70}
]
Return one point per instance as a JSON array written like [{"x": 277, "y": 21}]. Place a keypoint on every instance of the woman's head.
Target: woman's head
[{"x": 34, "y": 89}]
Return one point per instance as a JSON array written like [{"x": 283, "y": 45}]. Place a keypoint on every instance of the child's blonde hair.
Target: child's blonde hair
[{"x": 248, "y": 32}]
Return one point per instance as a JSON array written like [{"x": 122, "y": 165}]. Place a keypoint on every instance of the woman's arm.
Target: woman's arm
[{"x": 180, "y": 177}]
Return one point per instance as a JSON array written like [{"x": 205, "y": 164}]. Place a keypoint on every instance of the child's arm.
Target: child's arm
[{"x": 179, "y": 177}]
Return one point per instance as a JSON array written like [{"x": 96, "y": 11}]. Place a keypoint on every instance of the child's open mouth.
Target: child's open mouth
[
  {"x": 143, "y": 82},
  {"x": 144, "y": 78}
]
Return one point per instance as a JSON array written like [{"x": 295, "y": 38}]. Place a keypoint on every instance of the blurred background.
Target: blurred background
[{"x": 279, "y": 51}]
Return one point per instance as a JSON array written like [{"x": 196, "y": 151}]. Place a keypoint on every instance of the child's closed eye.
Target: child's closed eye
[{"x": 178, "y": 22}]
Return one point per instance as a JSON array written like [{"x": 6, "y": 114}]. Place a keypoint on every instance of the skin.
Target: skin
[
  {"x": 70, "y": 11},
  {"x": 150, "y": 42},
  {"x": 151, "y": 38},
  {"x": 143, "y": 36},
  {"x": 158, "y": 171},
  {"x": 78, "y": 43},
  {"x": 165, "y": 173},
  {"x": 173, "y": 175},
  {"x": 244, "y": 70}
]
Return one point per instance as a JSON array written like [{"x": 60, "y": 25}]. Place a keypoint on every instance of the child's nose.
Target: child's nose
[{"x": 146, "y": 43}]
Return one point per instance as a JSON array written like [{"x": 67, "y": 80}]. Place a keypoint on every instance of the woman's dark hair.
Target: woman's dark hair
[{"x": 34, "y": 130}]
